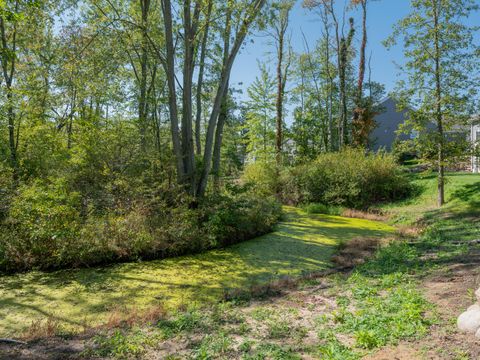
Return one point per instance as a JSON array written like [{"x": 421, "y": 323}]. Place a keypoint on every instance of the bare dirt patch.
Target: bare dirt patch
[
  {"x": 451, "y": 290},
  {"x": 47, "y": 349}
]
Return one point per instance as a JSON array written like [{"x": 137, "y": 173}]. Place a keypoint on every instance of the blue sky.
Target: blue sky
[{"x": 382, "y": 16}]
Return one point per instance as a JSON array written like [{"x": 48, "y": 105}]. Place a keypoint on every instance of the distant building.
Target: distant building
[{"x": 388, "y": 122}]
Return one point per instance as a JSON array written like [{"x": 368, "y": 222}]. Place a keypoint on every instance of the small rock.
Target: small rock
[
  {"x": 472, "y": 307},
  {"x": 469, "y": 321},
  {"x": 477, "y": 334},
  {"x": 477, "y": 294}
]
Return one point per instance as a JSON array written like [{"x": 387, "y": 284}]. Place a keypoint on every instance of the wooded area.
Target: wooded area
[{"x": 126, "y": 137}]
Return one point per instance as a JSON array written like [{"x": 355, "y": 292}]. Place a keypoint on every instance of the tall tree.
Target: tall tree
[
  {"x": 10, "y": 16},
  {"x": 224, "y": 111},
  {"x": 201, "y": 73},
  {"x": 358, "y": 120},
  {"x": 260, "y": 118},
  {"x": 343, "y": 51},
  {"x": 441, "y": 68},
  {"x": 345, "y": 47},
  {"x": 245, "y": 15},
  {"x": 283, "y": 51}
]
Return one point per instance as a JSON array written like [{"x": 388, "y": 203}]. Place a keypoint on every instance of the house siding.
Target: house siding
[{"x": 387, "y": 124}]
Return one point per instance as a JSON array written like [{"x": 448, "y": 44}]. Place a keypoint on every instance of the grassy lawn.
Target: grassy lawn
[
  {"x": 86, "y": 297},
  {"x": 379, "y": 305},
  {"x": 462, "y": 193}
]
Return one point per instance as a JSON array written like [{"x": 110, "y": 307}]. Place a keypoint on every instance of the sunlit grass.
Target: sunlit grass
[
  {"x": 462, "y": 194},
  {"x": 85, "y": 297}
]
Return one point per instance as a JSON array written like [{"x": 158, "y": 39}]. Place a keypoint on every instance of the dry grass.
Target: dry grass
[
  {"x": 374, "y": 215},
  {"x": 409, "y": 231},
  {"x": 355, "y": 252},
  {"x": 41, "y": 329},
  {"x": 121, "y": 317}
]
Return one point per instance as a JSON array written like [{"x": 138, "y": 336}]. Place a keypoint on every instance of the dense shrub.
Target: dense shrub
[
  {"x": 348, "y": 178},
  {"x": 351, "y": 178},
  {"x": 48, "y": 228},
  {"x": 262, "y": 177}
]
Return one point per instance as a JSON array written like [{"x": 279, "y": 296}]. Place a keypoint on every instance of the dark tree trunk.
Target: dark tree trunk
[
  {"x": 172, "y": 95},
  {"x": 222, "y": 117},
  {"x": 344, "y": 49},
  {"x": 201, "y": 70},
  {"x": 8, "y": 68},
  {"x": 360, "y": 131},
  {"x": 142, "y": 101}
]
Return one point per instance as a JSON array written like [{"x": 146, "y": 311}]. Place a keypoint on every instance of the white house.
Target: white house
[{"x": 475, "y": 138}]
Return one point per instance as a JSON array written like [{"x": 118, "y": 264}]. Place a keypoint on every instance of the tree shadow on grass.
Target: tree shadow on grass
[
  {"x": 470, "y": 195},
  {"x": 301, "y": 244}
]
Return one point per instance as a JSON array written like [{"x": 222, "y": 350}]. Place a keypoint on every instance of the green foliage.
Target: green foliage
[
  {"x": 262, "y": 177},
  {"x": 260, "y": 118},
  {"x": 55, "y": 227},
  {"x": 120, "y": 344},
  {"x": 230, "y": 221},
  {"x": 274, "y": 352},
  {"x": 44, "y": 220},
  {"x": 351, "y": 178},
  {"x": 382, "y": 317},
  {"x": 332, "y": 349}
]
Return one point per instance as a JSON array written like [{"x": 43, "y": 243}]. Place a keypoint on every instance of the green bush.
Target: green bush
[
  {"x": 230, "y": 222},
  {"x": 351, "y": 178},
  {"x": 262, "y": 177},
  {"x": 48, "y": 226},
  {"x": 42, "y": 225}
]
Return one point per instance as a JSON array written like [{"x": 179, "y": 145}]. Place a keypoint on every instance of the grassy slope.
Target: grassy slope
[
  {"x": 301, "y": 243},
  {"x": 342, "y": 316},
  {"x": 462, "y": 192}
]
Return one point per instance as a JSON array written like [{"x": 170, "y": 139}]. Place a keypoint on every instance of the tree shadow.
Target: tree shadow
[
  {"x": 300, "y": 244},
  {"x": 470, "y": 195}
]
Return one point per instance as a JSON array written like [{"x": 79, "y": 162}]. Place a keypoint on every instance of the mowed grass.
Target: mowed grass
[
  {"x": 80, "y": 298},
  {"x": 462, "y": 195}
]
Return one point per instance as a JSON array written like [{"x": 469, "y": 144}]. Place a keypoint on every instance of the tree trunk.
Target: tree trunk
[
  {"x": 142, "y": 101},
  {"x": 339, "y": 66},
  {"x": 438, "y": 110},
  {"x": 360, "y": 133},
  {"x": 11, "y": 133},
  {"x": 203, "y": 53},
  {"x": 279, "y": 100},
  {"x": 224, "y": 107},
  {"x": 222, "y": 117},
  {"x": 187, "y": 132},
  {"x": 225, "y": 75},
  {"x": 8, "y": 68},
  {"x": 344, "y": 48},
  {"x": 172, "y": 96}
]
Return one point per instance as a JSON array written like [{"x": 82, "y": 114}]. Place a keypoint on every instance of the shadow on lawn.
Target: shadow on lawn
[
  {"x": 451, "y": 237},
  {"x": 300, "y": 244},
  {"x": 470, "y": 195}
]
